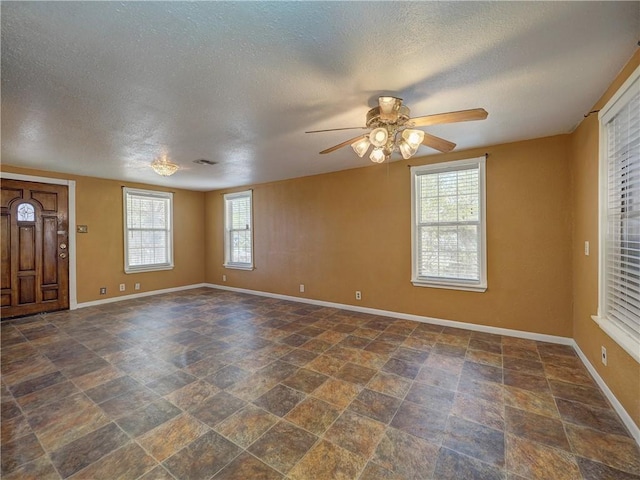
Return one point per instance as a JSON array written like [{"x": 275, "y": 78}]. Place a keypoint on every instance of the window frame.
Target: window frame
[
  {"x": 479, "y": 285},
  {"x": 228, "y": 197},
  {"x": 127, "y": 193},
  {"x": 611, "y": 327}
]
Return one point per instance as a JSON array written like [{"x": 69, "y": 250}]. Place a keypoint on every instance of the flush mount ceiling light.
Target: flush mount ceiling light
[
  {"x": 163, "y": 166},
  {"x": 392, "y": 130}
]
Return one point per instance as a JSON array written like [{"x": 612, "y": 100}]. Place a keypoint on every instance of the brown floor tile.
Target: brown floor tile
[
  {"x": 203, "y": 457},
  {"x": 59, "y": 423},
  {"x": 526, "y": 381},
  {"x": 36, "y": 384},
  {"x": 376, "y": 472},
  {"x": 98, "y": 377},
  {"x": 280, "y": 400},
  {"x": 190, "y": 396},
  {"x": 170, "y": 383},
  {"x": 247, "y": 425},
  {"x": 401, "y": 368},
  {"x": 452, "y": 465},
  {"x": 597, "y": 471},
  {"x": 619, "y": 452},
  {"x": 537, "y": 428},
  {"x": 601, "y": 419},
  {"x": 355, "y": 374},
  {"x": 147, "y": 418},
  {"x": 390, "y": 384},
  {"x": 326, "y": 365},
  {"x": 112, "y": 389},
  {"x": 577, "y": 375},
  {"x": 227, "y": 376},
  {"x": 39, "y": 469},
  {"x": 14, "y": 428},
  {"x": 123, "y": 404},
  {"x": 435, "y": 398},
  {"x": 313, "y": 415},
  {"x": 283, "y": 446},
  {"x": 158, "y": 473},
  {"x": 484, "y": 358},
  {"x": 578, "y": 393},
  {"x": 18, "y": 452},
  {"x": 477, "y": 441},
  {"x": 478, "y": 410},
  {"x": 535, "y": 461},
  {"x": 375, "y": 405},
  {"x": 205, "y": 367},
  {"x": 305, "y": 380},
  {"x": 246, "y": 466},
  {"x": 355, "y": 433},
  {"x": 82, "y": 452},
  {"x": 485, "y": 346},
  {"x": 421, "y": 421},
  {"x": 383, "y": 348},
  {"x": 299, "y": 357},
  {"x": 521, "y": 365},
  {"x": 535, "y": 402},
  {"x": 337, "y": 392},
  {"x": 326, "y": 461},
  {"x": 278, "y": 370},
  {"x": 445, "y": 362},
  {"x": 47, "y": 395},
  {"x": 407, "y": 456},
  {"x": 216, "y": 408},
  {"x": 171, "y": 436},
  {"x": 130, "y": 461}
]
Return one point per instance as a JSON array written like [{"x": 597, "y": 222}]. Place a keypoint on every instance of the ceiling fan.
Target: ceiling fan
[{"x": 392, "y": 130}]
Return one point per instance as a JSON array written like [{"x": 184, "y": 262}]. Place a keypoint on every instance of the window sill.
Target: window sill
[
  {"x": 238, "y": 267},
  {"x": 618, "y": 335},
  {"x": 450, "y": 286},
  {"x": 147, "y": 268}
]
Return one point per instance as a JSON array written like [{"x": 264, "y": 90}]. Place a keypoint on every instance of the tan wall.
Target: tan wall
[
  {"x": 100, "y": 252},
  {"x": 350, "y": 230},
  {"x": 622, "y": 374}
]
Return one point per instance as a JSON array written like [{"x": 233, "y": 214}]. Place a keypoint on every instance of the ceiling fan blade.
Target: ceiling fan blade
[
  {"x": 343, "y": 144},
  {"x": 335, "y": 129},
  {"x": 450, "y": 117},
  {"x": 438, "y": 143}
]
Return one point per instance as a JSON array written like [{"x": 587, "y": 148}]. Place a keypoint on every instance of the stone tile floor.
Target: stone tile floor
[{"x": 211, "y": 384}]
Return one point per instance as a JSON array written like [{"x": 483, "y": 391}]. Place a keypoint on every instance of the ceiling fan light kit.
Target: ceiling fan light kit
[
  {"x": 392, "y": 130},
  {"x": 164, "y": 167}
]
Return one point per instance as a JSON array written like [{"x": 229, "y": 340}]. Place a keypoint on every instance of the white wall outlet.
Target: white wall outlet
[
  {"x": 358, "y": 295},
  {"x": 604, "y": 355},
  {"x": 103, "y": 290},
  {"x": 224, "y": 278},
  {"x": 586, "y": 248},
  {"x": 122, "y": 287},
  {"x": 302, "y": 288},
  {"x": 136, "y": 286}
]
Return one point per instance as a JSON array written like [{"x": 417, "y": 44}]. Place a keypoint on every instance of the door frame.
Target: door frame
[{"x": 71, "y": 187}]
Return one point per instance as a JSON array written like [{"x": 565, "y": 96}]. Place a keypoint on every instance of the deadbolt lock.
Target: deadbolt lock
[
  {"x": 63, "y": 255},
  {"x": 63, "y": 246}
]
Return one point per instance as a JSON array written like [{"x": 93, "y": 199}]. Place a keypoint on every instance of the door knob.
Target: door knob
[{"x": 63, "y": 255}]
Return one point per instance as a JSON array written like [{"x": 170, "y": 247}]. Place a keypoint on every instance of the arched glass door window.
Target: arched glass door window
[{"x": 26, "y": 213}]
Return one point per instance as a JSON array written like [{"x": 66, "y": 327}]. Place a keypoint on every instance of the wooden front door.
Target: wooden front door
[{"x": 34, "y": 248}]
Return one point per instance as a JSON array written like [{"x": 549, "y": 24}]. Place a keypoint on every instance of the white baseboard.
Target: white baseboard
[
  {"x": 406, "y": 316},
  {"x": 626, "y": 418},
  {"x": 138, "y": 295}
]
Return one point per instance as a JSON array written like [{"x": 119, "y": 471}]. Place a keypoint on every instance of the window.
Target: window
[
  {"x": 448, "y": 225},
  {"x": 619, "y": 282},
  {"x": 148, "y": 231},
  {"x": 238, "y": 230}
]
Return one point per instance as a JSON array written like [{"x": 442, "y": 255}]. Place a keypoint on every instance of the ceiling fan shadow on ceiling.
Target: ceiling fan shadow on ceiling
[{"x": 393, "y": 130}]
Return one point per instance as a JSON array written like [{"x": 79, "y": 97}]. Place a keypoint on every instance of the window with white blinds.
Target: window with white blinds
[
  {"x": 448, "y": 222},
  {"x": 238, "y": 231},
  {"x": 619, "y": 309},
  {"x": 148, "y": 234}
]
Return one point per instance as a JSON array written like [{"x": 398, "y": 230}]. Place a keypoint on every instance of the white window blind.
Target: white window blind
[
  {"x": 238, "y": 230},
  {"x": 148, "y": 230},
  {"x": 620, "y": 217},
  {"x": 448, "y": 225}
]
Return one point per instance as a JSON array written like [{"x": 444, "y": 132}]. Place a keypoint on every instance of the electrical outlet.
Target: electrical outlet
[
  {"x": 122, "y": 287},
  {"x": 604, "y": 355},
  {"x": 224, "y": 278},
  {"x": 136, "y": 286},
  {"x": 103, "y": 290},
  {"x": 358, "y": 295},
  {"x": 301, "y": 288}
]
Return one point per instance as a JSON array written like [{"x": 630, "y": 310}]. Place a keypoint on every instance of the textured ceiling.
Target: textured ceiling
[{"x": 102, "y": 88}]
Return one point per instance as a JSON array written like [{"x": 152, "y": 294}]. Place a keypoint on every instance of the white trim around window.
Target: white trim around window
[
  {"x": 619, "y": 217},
  {"x": 238, "y": 230},
  {"x": 448, "y": 225},
  {"x": 148, "y": 230}
]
